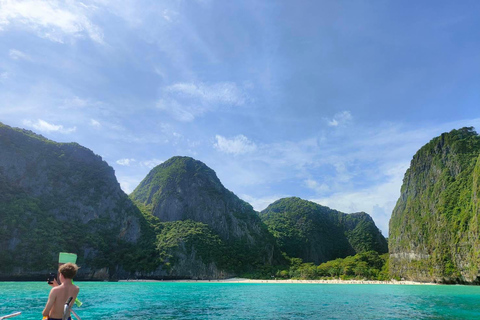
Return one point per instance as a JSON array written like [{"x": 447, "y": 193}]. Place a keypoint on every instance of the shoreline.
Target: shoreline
[{"x": 333, "y": 281}]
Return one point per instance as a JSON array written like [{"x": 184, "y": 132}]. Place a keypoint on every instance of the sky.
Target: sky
[{"x": 323, "y": 100}]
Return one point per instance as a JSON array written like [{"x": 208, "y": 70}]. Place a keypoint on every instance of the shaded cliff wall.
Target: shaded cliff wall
[
  {"x": 184, "y": 189},
  {"x": 60, "y": 197},
  {"x": 315, "y": 233}
]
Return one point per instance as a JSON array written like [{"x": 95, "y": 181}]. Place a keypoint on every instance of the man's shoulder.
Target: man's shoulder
[
  {"x": 56, "y": 289},
  {"x": 76, "y": 288}
]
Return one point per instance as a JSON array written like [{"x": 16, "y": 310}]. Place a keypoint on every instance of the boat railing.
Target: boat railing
[{"x": 10, "y": 315}]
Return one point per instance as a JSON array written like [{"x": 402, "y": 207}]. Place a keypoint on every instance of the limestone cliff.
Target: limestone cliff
[
  {"x": 184, "y": 189},
  {"x": 317, "y": 234},
  {"x": 189, "y": 250},
  {"x": 59, "y": 197},
  {"x": 434, "y": 228},
  {"x": 62, "y": 197}
]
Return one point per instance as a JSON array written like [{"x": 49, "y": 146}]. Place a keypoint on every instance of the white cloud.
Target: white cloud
[
  {"x": 152, "y": 163},
  {"x": 128, "y": 184},
  {"x": 169, "y": 15},
  {"x": 223, "y": 92},
  {"x": 125, "y": 161},
  {"x": 237, "y": 145},
  {"x": 178, "y": 111},
  {"x": 342, "y": 173},
  {"x": 333, "y": 123},
  {"x": 340, "y": 118},
  {"x": 53, "y": 20},
  {"x": 377, "y": 200},
  {"x": 185, "y": 101},
  {"x": 95, "y": 123},
  {"x": 45, "y": 126},
  {"x": 18, "y": 55},
  {"x": 4, "y": 75},
  {"x": 317, "y": 187},
  {"x": 75, "y": 102},
  {"x": 294, "y": 154},
  {"x": 350, "y": 170}
]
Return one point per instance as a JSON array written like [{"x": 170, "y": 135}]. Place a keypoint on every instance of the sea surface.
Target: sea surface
[{"x": 174, "y": 300}]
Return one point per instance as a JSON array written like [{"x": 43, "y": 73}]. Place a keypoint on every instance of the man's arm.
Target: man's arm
[{"x": 50, "y": 302}]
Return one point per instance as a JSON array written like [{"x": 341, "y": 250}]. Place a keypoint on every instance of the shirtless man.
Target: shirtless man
[{"x": 60, "y": 293}]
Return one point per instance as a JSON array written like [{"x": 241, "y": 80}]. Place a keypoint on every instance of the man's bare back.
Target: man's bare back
[{"x": 58, "y": 297}]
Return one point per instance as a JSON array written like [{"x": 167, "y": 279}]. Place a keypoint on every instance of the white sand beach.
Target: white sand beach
[{"x": 333, "y": 281}]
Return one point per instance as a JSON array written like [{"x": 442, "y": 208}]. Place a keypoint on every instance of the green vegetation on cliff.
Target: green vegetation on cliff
[
  {"x": 318, "y": 234},
  {"x": 434, "y": 226},
  {"x": 194, "y": 236},
  {"x": 187, "y": 197},
  {"x": 60, "y": 197},
  {"x": 180, "y": 222}
]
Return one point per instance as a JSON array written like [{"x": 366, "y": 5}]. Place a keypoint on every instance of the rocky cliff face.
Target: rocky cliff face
[
  {"x": 62, "y": 197},
  {"x": 182, "y": 222},
  {"x": 59, "y": 197},
  {"x": 318, "y": 234},
  {"x": 434, "y": 228},
  {"x": 189, "y": 250},
  {"x": 184, "y": 189}
]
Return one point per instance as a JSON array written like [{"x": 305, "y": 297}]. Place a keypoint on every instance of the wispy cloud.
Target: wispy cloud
[
  {"x": 95, "y": 123},
  {"x": 377, "y": 200},
  {"x": 184, "y": 113},
  {"x": 185, "y": 101},
  {"x": 75, "y": 102},
  {"x": 125, "y": 161},
  {"x": 18, "y": 55},
  {"x": 128, "y": 184},
  {"x": 53, "y": 20},
  {"x": 44, "y": 126},
  {"x": 349, "y": 170},
  {"x": 152, "y": 163},
  {"x": 341, "y": 118},
  {"x": 317, "y": 187},
  {"x": 169, "y": 15},
  {"x": 236, "y": 145},
  {"x": 223, "y": 92}
]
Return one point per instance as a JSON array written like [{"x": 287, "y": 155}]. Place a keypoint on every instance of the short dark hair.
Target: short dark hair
[{"x": 69, "y": 270}]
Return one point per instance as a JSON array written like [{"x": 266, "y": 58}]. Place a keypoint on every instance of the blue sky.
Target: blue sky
[{"x": 324, "y": 100}]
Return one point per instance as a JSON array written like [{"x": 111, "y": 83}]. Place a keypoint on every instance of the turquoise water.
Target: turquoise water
[{"x": 167, "y": 300}]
